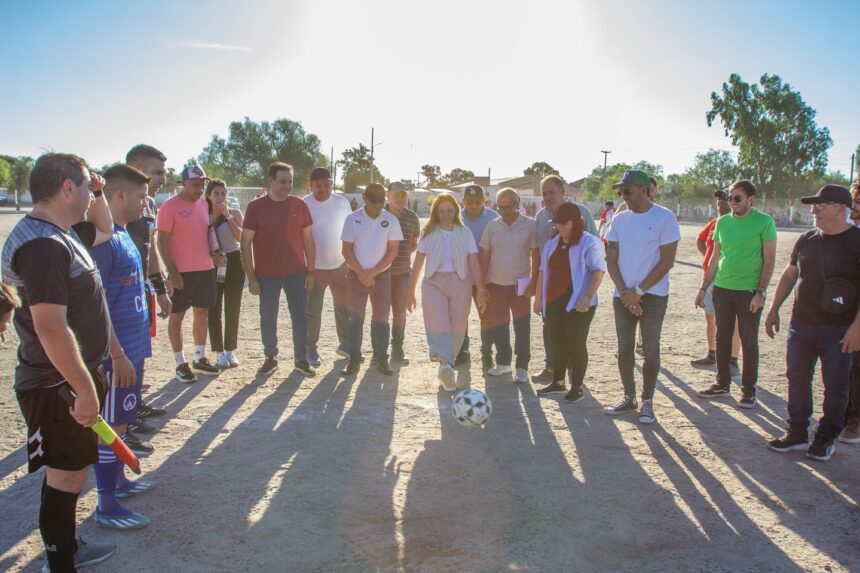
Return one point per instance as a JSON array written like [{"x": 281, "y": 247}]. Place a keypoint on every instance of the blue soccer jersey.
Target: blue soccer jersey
[{"x": 119, "y": 263}]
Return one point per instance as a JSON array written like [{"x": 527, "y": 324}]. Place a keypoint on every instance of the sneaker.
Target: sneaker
[
  {"x": 147, "y": 411},
  {"x": 351, "y": 369},
  {"x": 135, "y": 488},
  {"x": 464, "y": 357},
  {"x": 448, "y": 377},
  {"x": 747, "y": 401},
  {"x": 88, "y": 554},
  {"x": 734, "y": 368},
  {"x": 486, "y": 363},
  {"x": 851, "y": 433},
  {"x": 314, "y": 359},
  {"x": 221, "y": 361},
  {"x": 141, "y": 427},
  {"x": 305, "y": 368},
  {"x": 555, "y": 387},
  {"x": 709, "y": 360},
  {"x": 383, "y": 367},
  {"x": 397, "y": 355},
  {"x": 184, "y": 374},
  {"x": 794, "y": 439},
  {"x": 124, "y": 520},
  {"x": 521, "y": 376},
  {"x": 500, "y": 370},
  {"x": 627, "y": 404},
  {"x": 822, "y": 447},
  {"x": 646, "y": 412},
  {"x": 269, "y": 366},
  {"x": 231, "y": 360},
  {"x": 714, "y": 391},
  {"x": 342, "y": 352},
  {"x": 575, "y": 395},
  {"x": 202, "y": 366},
  {"x": 544, "y": 375},
  {"x": 137, "y": 445}
]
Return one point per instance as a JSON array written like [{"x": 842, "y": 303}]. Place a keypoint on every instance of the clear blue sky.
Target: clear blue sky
[{"x": 475, "y": 85}]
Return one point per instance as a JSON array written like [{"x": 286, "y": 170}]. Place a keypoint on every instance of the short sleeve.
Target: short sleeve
[
  {"x": 612, "y": 232},
  {"x": 307, "y": 220},
  {"x": 250, "y": 220},
  {"x": 44, "y": 265},
  {"x": 473, "y": 247},
  {"x": 703, "y": 234},
  {"x": 487, "y": 237},
  {"x": 103, "y": 256},
  {"x": 716, "y": 234},
  {"x": 348, "y": 234},
  {"x": 670, "y": 232},
  {"x": 395, "y": 233},
  {"x": 795, "y": 250},
  {"x": 86, "y": 232},
  {"x": 769, "y": 231},
  {"x": 590, "y": 227},
  {"x": 422, "y": 246},
  {"x": 164, "y": 219},
  {"x": 595, "y": 256}
]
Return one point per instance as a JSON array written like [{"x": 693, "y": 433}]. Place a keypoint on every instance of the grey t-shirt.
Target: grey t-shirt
[{"x": 545, "y": 226}]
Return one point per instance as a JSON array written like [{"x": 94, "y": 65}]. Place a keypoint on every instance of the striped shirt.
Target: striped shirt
[{"x": 411, "y": 227}]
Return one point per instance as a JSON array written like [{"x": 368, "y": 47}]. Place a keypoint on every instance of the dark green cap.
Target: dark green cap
[{"x": 634, "y": 177}]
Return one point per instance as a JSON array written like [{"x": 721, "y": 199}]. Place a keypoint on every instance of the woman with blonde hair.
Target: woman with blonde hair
[
  {"x": 449, "y": 256},
  {"x": 572, "y": 266}
]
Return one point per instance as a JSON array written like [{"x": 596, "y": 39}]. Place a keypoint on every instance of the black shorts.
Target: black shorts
[
  {"x": 198, "y": 290},
  {"x": 54, "y": 438}
]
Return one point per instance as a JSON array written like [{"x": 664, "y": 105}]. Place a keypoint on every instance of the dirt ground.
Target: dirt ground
[{"x": 373, "y": 474}]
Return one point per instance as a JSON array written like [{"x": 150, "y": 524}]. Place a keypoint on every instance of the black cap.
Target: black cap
[
  {"x": 567, "y": 212},
  {"x": 829, "y": 194},
  {"x": 320, "y": 173},
  {"x": 473, "y": 192},
  {"x": 721, "y": 194},
  {"x": 375, "y": 193}
]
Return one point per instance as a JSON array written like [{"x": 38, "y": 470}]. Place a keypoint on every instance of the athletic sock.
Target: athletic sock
[
  {"x": 57, "y": 525},
  {"x": 199, "y": 352},
  {"x": 180, "y": 358},
  {"x": 106, "y": 478}
]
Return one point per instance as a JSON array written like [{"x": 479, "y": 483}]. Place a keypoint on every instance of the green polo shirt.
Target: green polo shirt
[{"x": 741, "y": 240}]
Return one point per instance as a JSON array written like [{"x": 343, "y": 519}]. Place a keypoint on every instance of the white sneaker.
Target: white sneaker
[
  {"x": 221, "y": 360},
  {"x": 447, "y": 376},
  {"x": 499, "y": 370},
  {"x": 522, "y": 377},
  {"x": 231, "y": 359}
]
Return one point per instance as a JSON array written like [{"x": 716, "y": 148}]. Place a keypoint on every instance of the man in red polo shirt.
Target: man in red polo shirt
[{"x": 278, "y": 254}]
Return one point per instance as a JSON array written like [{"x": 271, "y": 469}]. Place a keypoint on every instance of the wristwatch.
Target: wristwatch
[{"x": 639, "y": 291}]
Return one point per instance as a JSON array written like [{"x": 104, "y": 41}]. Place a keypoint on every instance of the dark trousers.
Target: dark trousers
[
  {"x": 548, "y": 345},
  {"x": 569, "y": 331},
  {"x": 653, "y": 311},
  {"x": 731, "y": 306},
  {"x": 504, "y": 306},
  {"x": 807, "y": 344},
  {"x": 399, "y": 299},
  {"x": 335, "y": 281},
  {"x": 270, "y": 302},
  {"x": 486, "y": 331},
  {"x": 380, "y": 302},
  {"x": 852, "y": 413},
  {"x": 230, "y": 292}
]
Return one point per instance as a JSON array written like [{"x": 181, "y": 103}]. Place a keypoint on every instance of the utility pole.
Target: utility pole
[
  {"x": 331, "y": 161},
  {"x": 371, "y": 155},
  {"x": 852, "y": 167},
  {"x": 605, "y": 156}
]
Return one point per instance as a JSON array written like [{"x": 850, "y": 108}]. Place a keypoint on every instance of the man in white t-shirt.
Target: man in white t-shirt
[
  {"x": 640, "y": 249},
  {"x": 329, "y": 212},
  {"x": 371, "y": 237}
]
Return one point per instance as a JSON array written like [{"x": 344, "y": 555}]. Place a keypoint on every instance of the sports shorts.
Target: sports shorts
[
  {"x": 54, "y": 438},
  {"x": 198, "y": 291},
  {"x": 120, "y": 404}
]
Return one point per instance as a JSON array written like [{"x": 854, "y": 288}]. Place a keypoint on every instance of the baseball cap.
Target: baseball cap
[
  {"x": 193, "y": 172},
  {"x": 721, "y": 194},
  {"x": 633, "y": 177},
  {"x": 375, "y": 193},
  {"x": 320, "y": 173},
  {"x": 567, "y": 212},
  {"x": 397, "y": 187},
  {"x": 473, "y": 192},
  {"x": 829, "y": 194}
]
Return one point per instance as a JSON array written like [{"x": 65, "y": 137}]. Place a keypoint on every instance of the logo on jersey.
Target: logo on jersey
[
  {"x": 36, "y": 439},
  {"x": 384, "y": 224},
  {"x": 129, "y": 403}
]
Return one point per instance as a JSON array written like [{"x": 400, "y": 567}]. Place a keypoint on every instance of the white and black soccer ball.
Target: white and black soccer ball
[{"x": 472, "y": 408}]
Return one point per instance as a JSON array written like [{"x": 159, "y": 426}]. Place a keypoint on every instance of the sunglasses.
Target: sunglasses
[
  {"x": 737, "y": 198},
  {"x": 626, "y": 191}
]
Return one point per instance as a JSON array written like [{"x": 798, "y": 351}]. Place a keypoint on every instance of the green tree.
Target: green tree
[
  {"x": 5, "y": 172},
  {"x": 715, "y": 169},
  {"x": 457, "y": 176},
  {"x": 540, "y": 169},
  {"x": 357, "y": 168},
  {"x": 432, "y": 175},
  {"x": 779, "y": 143},
  {"x": 598, "y": 185},
  {"x": 244, "y": 157},
  {"x": 18, "y": 178}
]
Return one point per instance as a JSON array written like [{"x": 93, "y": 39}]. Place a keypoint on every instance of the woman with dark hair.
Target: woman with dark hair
[
  {"x": 225, "y": 227},
  {"x": 571, "y": 270},
  {"x": 449, "y": 251}
]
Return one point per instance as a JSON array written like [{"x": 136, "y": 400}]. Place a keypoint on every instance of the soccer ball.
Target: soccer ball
[{"x": 472, "y": 408}]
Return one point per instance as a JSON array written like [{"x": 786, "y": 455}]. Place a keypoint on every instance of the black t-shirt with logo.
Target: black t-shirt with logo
[{"x": 841, "y": 258}]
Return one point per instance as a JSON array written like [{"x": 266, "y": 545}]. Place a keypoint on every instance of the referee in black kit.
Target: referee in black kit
[{"x": 64, "y": 331}]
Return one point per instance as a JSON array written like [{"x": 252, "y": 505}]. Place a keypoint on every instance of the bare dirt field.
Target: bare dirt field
[{"x": 373, "y": 474}]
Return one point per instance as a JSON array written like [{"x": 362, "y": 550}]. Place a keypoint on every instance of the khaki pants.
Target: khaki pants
[{"x": 446, "y": 301}]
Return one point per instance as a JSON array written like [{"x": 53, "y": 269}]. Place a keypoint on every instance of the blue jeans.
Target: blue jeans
[
  {"x": 505, "y": 305},
  {"x": 270, "y": 302},
  {"x": 731, "y": 305},
  {"x": 653, "y": 311},
  {"x": 380, "y": 302},
  {"x": 807, "y": 344}
]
